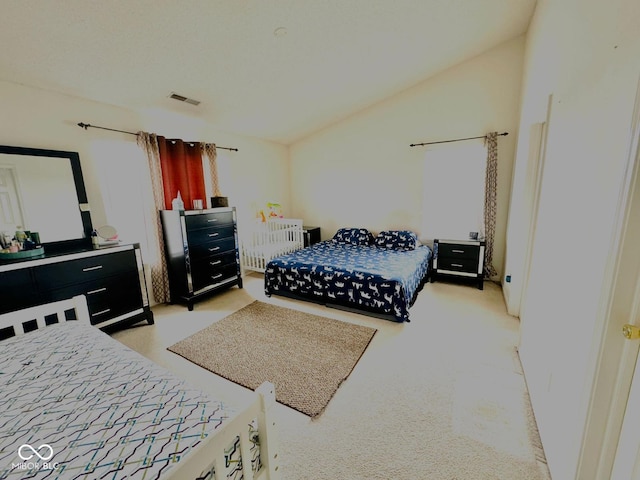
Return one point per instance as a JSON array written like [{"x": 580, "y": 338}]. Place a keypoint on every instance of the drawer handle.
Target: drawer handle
[
  {"x": 103, "y": 289},
  {"x": 215, "y": 277},
  {"x": 214, "y": 249},
  {"x": 88, "y": 269},
  {"x": 212, "y": 220},
  {"x": 456, "y": 265},
  {"x": 457, "y": 251},
  {"x": 214, "y": 234},
  {"x": 102, "y": 312},
  {"x": 217, "y": 262}
]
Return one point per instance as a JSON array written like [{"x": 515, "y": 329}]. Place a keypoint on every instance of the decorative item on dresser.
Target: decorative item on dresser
[
  {"x": 112, "y": 279},
  {"x": 202, "y": 252},
  {"x": 459, "y": 259}
]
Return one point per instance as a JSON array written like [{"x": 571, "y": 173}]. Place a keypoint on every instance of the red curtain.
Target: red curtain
[{"x": 181, "y": 165}]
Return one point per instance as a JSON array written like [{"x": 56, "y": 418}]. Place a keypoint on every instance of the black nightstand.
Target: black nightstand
[
  {"x": 463, "y": 259},
  {"x": 311, "y": 235}
]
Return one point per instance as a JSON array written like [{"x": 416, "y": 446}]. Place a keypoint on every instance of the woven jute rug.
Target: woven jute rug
[{"x": 305, "y": 356}]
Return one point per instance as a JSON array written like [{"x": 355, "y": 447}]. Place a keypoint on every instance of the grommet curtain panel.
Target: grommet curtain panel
[
  {"x": 490, "y": 201},
  {"x": 181, "y": 165},
  {"x": 159, "y": 275},
  {"x": 212, "y": 154}
]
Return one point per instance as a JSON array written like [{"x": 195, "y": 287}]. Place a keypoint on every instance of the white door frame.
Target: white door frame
[{"x": 537, "y": 155}]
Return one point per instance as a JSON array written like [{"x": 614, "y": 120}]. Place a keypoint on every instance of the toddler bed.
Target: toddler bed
[
  {"x": 267, "y": 240},
  {"x": 77, "y": 404},
  {"x": 380, "y": 276}
]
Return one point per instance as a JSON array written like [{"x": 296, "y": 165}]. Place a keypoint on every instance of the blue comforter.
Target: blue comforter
[{"x": 362, "y": 276}]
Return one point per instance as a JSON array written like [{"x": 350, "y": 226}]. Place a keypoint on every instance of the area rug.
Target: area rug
[{"x": 305, "y": 356}]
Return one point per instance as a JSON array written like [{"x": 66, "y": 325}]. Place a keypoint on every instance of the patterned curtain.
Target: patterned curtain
[
  {"x": 212, "y": 154},
  {"x": 490, "y": 204},
  {"x": 159, "y": 276}
]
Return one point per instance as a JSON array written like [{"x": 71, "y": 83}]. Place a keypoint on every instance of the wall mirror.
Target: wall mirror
[{"x": 43, "y": 191}]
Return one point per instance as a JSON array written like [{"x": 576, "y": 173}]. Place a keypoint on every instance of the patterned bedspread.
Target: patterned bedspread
[
  {"x": 75, "y": 399},
  {"x": 363, "y": 276}
]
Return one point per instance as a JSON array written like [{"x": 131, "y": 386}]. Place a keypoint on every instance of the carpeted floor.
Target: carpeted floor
[
  {"x": 440, "y": 398},
  {"x": 305, "y": 356}
]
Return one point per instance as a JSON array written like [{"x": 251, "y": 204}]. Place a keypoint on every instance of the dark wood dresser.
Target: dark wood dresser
[
  {"x": 201, "y": 248},
  {"x": 112, "y": 279},
  {"x": 462, "y": 259}
]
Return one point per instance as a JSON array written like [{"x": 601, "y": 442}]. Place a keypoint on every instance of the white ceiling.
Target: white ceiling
[{"x": 338, "y": 56}]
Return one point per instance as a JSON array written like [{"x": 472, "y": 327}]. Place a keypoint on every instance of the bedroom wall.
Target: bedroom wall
[
  {"x": 586, "y": 53},
  {"x": 256, "y": 174},
  {"x": 362, "y": 172}
]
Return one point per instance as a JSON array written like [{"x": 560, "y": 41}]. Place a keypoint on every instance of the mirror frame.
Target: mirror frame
[{"x": 81, "y": 192}]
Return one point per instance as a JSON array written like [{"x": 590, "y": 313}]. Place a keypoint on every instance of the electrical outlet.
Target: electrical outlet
[{"x": 508, "y": 279}]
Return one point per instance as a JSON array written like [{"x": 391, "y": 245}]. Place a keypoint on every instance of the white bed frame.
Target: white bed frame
[
  {"x": 211, "y": 452},
  {"x": 264, "y": 241}
]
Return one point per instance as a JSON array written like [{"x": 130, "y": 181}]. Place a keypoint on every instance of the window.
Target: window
[{"x": 453, "y": 199}]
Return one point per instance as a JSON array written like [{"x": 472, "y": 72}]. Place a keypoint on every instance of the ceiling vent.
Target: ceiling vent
[{"x": 182, "y": 98}]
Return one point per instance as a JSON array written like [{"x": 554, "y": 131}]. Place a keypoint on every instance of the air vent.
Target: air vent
[{"x": 182, "y": 98}]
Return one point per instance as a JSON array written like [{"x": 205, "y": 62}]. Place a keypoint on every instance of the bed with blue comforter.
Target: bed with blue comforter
[{"x": 354, "y": 270}]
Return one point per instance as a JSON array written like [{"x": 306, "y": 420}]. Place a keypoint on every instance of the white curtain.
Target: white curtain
[
  {"x": 125, "y": 182},
  {"x": 453, "y": 190}
]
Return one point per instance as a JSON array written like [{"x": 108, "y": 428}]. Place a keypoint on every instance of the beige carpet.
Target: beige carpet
[{"x": 305, "y": 356}]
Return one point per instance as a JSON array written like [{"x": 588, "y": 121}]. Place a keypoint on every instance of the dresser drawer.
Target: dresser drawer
[
  {"x": 85, "y": 269},
  {"x": 98, "y": 292},
  {"x": 458, "y": 251},
  {"x": 195, "y": 237},
  {"x": 216, "y": 261},
  {"x": 17, "y": 291},
  {"x": 106, "y": 298},
  {"x": 203, "y": 275},
  {"x": 106, "y": 307},
  {"x": 197, "y": 252},
  {"x": 205, "y": 220},
  {"x": 458, "y": 264}
]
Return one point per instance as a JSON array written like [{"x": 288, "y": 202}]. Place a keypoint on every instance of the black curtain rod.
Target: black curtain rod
[
  {"x": 504, "y": 134},
  {"x": 87, "y": 125}
]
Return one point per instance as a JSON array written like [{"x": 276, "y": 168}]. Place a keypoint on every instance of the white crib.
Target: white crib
[{"x": 263, "y": 241}]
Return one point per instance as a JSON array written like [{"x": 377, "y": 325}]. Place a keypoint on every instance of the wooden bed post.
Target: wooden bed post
[{"x": 267, "y": 431}]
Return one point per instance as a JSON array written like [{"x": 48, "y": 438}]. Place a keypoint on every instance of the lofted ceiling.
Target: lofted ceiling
[{"x": 333, "y": 58}]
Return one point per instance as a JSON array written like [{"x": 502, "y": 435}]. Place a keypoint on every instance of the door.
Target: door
[
  {"x": 620, "y": 438},
  {"x": 627, "y": 459},
  {"x": 626, "y": 465}
]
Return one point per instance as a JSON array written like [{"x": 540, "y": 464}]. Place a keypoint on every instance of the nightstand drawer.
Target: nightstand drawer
[
  {"x": 458, "y": 264},
  {"x": 458, "y": 251},
  {"x": 463, "y": 259}
]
